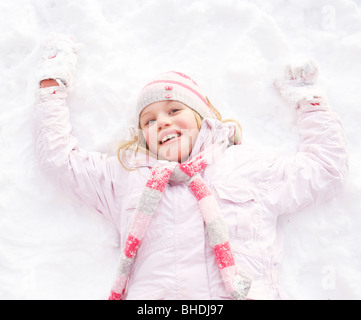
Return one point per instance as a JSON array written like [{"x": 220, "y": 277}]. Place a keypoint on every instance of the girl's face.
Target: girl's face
[{"x": 170, "y": 129}]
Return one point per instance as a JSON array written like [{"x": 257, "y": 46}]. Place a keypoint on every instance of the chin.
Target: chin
[
  {"x": 176, "y": 158},
  {"x": 173, "y": 155}
]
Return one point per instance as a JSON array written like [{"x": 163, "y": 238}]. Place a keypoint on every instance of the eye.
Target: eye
[
  {"x": 175, "y": 110},
  {"x": 149, "y": 122}
]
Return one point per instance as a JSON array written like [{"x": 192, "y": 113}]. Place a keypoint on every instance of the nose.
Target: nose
[{"x": 163, "y": 120}]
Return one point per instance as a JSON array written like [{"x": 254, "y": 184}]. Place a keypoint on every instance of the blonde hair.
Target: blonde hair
[{"x": 137, "y": 144}]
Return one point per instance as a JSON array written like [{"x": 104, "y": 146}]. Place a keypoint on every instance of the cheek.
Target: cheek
[
  {"x": 184, "y": 122},
  {"x": 151, "y": 139},
  {"x": 190, "y": 125},
  {"x": 187, "y": 121}
]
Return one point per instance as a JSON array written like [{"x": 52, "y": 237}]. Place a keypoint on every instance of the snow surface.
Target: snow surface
[{"x": 52, "y": 247}]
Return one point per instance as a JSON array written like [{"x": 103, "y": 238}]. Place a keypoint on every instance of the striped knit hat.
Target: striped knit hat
[{"x": 175, "y": 86}]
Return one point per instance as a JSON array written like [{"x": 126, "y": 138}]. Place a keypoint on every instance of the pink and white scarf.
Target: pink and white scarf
[{"x": 236, "y": 282}]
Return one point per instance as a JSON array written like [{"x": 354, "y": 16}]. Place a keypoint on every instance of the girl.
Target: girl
[{"x": 195, "y": 209}]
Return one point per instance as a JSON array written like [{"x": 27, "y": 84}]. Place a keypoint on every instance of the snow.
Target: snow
[{"x": 53, "y": 247}]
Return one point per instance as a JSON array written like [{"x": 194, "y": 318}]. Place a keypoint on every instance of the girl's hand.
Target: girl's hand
[
  {"x": 58, "y": 59},
  {"x": 301, "y": 75},
  {"x": 299, "y": 82}
]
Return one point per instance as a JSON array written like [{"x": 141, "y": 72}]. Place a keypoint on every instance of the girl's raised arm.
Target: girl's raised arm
[
  {"x": 319, "y": 168},
  {"x": 86, "y": 175}
]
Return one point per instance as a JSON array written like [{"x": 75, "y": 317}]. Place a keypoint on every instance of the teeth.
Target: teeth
[{"x": 169, "y": 136}]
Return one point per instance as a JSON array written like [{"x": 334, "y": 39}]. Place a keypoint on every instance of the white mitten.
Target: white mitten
[
  {"x": 58, "y": 59},
  {"x": 299, "y": 83}
]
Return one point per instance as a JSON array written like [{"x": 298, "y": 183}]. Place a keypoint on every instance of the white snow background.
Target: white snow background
[{"x": 53, "y": 247}]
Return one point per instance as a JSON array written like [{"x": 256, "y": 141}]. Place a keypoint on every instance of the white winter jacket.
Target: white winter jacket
[{"x": 175, "y": 260}]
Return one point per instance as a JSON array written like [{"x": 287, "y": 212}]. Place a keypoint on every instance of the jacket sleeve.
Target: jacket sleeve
[
  {"x": 85, "y": 175},
  {"x": 319, "y": 168}
]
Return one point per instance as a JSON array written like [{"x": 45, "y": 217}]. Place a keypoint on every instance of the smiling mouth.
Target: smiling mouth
[{"x": 169, "y": 137}]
